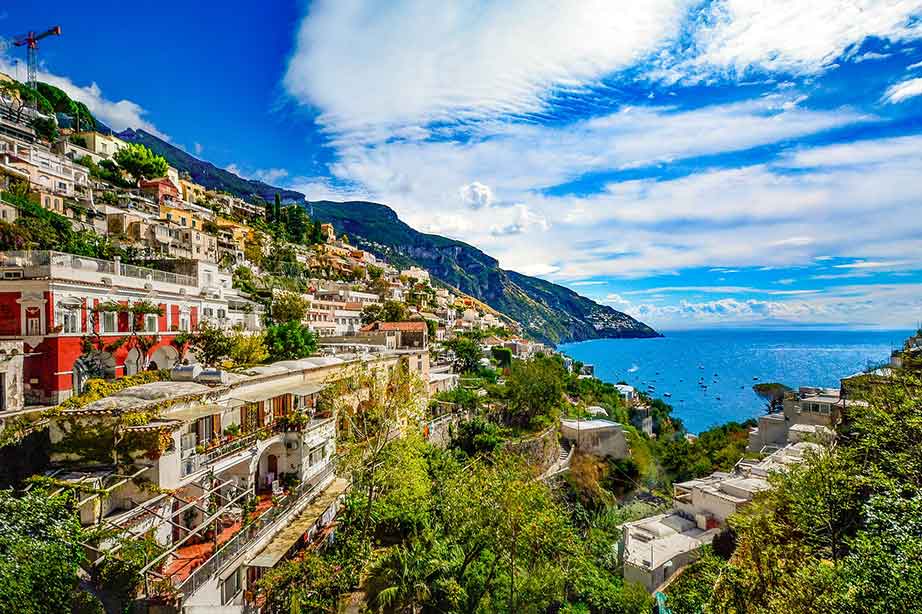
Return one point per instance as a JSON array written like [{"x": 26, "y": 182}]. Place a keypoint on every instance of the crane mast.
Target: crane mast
[{"x": 30, "y": 42}]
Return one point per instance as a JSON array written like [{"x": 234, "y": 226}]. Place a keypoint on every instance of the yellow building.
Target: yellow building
[
  {"x": 183, "y": 217},
  {"x": 104, "y": 145},
  {"x": 191, "y": 191},
  {"x": 239, "y": 233}
]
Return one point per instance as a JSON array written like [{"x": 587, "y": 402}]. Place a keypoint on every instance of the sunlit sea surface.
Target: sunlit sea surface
[{"x": 729, "y": 362}]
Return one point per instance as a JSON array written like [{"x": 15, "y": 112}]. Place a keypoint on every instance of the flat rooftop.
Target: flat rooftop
[
  {"x": 654, "y": 541},
  {"x": 590, "y": 425}
]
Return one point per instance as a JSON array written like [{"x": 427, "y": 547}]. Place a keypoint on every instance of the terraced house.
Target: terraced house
[
  {"x": 73, "y": 314},
  {"x": 228, "y": 473}
]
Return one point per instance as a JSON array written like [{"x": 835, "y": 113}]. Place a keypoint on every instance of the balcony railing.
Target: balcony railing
[
  {"x": 252, "y": 532},
  {"x": 47, "y": 263}
]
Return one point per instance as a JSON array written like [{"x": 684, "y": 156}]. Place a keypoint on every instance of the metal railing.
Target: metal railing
[
  {"x": 32, "y": 262},
  {"x": 251, "y": 532}
]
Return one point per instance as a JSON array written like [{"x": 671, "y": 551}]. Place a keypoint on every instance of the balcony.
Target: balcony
[
  {"x": 51, "y": 264},
  {"x": 240, "y": 536}
]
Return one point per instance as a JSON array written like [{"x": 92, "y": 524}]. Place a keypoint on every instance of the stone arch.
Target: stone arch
[
  {"x": 274, "y": 447},
  {"x": 164, "y": 357},
  {"x": 134, "y": 361},
  {"x": 92, "y": 365}
]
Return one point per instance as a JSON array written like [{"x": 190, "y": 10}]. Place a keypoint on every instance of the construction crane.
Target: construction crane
[{"x": 30, "y": 42}]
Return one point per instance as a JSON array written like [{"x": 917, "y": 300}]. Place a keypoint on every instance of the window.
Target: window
[
  {"x": 108, "y": 322},
  {"x": 169, "y": 217},
  {"x": 2, "y": 391},
  {"x": 230, "y": 586},
  {"x": 193, "y": 223},
  {"x": 221, "y": 314},
  {"x": 182, "y": 221},
  {"x": 69, "y": 320},
  {"x": 184, "y": 323},
  {"x": 150, "y": 322}
]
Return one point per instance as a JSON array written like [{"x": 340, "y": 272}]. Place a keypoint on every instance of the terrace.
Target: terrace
[
  {"x": 224, "y": 534},
  {"x": 51, "y": 264}
]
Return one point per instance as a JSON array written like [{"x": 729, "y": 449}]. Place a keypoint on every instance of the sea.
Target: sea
[{"x": 729, "y": 362}]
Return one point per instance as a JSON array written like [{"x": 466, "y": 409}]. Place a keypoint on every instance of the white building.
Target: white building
[
  {"x": 598, "y": 437},
  {"x": 229, "y": 474},
  {"x": 628, "y": 393},
  {"x": 655, "y": 548}
]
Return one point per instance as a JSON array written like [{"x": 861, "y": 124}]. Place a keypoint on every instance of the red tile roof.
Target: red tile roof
[{"x": 406, "y": 327}]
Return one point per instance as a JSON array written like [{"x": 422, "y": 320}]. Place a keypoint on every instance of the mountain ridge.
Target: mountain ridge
[{"x": 546, "y": 310}]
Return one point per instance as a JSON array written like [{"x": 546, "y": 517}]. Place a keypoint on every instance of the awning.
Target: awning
[
  {"x": 308, "y": 389},
  {"x": 260, "y": 393},
  {"x": 285, "y": 539},
  {"x": 195, "y": 412}
]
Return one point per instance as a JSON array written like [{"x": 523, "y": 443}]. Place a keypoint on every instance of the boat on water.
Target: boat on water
[
  {"x": 754, "y": 378},
  {"x": 667, "y": 394}
]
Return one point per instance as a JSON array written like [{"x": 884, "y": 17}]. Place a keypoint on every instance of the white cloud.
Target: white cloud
[
  {"x": 870, "y": 56},
  {"x": 883, "y": 264},
  {"x": 117, "y": 114},
  {"x": 795, "y": 36},
  {"x": 588, "y": 282},
  {"x": 270, "y": 175},
  {"x": 904, "y": 90},
  {"x": 266, "y": 175},
  {"x": 914, "y": 66},
  {"x": 428, "y": 61},
  {"x": 523, "y": 221},
  {"x": 476, "y": 195},
  {"x": 884, "y": 305}
]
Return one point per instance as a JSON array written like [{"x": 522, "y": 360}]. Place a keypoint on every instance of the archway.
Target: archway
[
  {"x": 270, "y": 466},
  {"x": 164, "y": 357},
  {"x": 134, "y": 362},
  {"x": 93, "y": 365}
]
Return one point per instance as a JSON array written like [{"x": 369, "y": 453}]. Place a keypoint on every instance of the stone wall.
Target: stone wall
[{"x": 540, "y": 451}]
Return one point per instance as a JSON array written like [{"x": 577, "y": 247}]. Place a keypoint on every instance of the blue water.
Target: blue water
[{"x": 730, "y": 360}]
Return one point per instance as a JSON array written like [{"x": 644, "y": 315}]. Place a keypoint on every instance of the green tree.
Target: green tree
[
  {"x": 288, "y": 307},
  {"x": 210, "y": 344},
  {"x": 46, "y": 128},
  {"x": 290, "y": 341},
  {"x": 467, "y": 353},
  {"x": 140, "y": 162},
  {"x": 402, "y": 579},
  {"x": 535, "y": 390},
  {"x": 40, "y": 538},
  {"x": 308, "y": 584},
  {"x": 389, "y": 311},
  {"x": 373, "y": 407},
  {"x": 248, "y": 348}
]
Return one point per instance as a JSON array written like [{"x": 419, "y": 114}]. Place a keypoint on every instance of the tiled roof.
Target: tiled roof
[{"x": 406, "y": 327}]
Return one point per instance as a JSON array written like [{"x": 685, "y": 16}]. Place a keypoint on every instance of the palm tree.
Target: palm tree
[{"x": 400, "y": 581}]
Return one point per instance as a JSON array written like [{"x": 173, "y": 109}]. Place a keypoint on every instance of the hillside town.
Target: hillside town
[{"x": 243, "y": 412}]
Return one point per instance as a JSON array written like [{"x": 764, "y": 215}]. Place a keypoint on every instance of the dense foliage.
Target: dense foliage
[
  {"x": 39, "y": 228},
  {"x": 40, "y": 553},
  {"x": 290, "y": 341},
  {"x": 140, "y": 162},
  {"x": 840, "y": 533}
]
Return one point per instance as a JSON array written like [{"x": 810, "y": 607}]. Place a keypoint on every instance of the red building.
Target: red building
[
  {"x": 51, "y": 301},
  {"x": 160, "y": 188}
]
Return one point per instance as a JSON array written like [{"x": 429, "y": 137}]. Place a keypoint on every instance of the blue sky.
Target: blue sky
[{"x": 722, "y": 162}]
